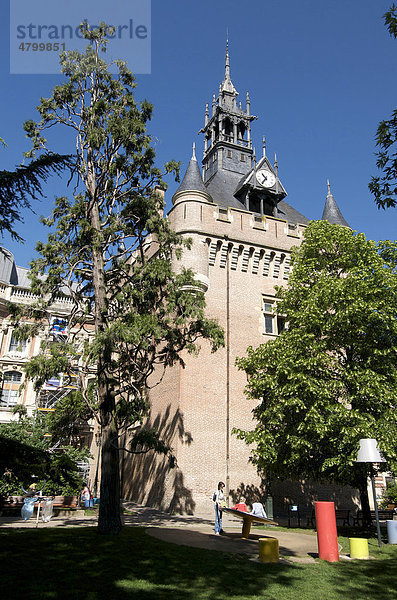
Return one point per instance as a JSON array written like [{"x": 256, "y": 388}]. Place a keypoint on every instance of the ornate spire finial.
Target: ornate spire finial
[
  {"x": 275, "y": 163},
  {"x": 194, "y": 151},
  {"x": 264, "y": 145},
  {"x": 248, "y": 104},
  {"x": 329, "y": 188},
  {"x": 227, "y": 63}
]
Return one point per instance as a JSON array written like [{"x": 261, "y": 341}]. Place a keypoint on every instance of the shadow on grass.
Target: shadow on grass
[{"x": 78, "y": 563}]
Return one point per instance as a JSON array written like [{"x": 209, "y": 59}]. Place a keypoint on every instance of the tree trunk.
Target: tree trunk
[
  {"x": 363, "y": 488},
  {"x": 109, "y": 521}
]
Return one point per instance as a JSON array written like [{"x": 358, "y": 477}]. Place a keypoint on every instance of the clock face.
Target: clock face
[{"x": 265, "y": 178}]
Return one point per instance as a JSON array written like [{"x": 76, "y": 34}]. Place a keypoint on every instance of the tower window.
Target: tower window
[
  {"x": 242, "y": 157},
  {"x": 228, "y": 129},
  {"x": 229, "y": 154},
  {"x": 269, "y": 317},
  {"x": 273, "y": 324},
  {"x": 241, "y": 129},
  {"x": 255, "y": 204}
]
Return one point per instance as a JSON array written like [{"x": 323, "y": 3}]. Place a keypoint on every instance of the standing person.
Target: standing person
[
  {"x": 86, "y": 497},
  {"x": 219, "y": 501}
]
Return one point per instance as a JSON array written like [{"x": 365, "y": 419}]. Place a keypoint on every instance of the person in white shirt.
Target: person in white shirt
[{"x": 258, "y": 510}]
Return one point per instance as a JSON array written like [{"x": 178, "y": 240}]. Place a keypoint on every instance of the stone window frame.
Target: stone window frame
[
  {"x": 10, "y": 389},
  {"x": 273, "y": 323}
]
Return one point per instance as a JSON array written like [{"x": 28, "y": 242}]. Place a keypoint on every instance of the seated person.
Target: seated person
[
  {"x": 258, "y": 510},
  {"x": 241, "y": 505}
]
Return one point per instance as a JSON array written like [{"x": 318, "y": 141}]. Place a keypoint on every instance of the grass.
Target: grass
[{"x": 74, "y": 563}]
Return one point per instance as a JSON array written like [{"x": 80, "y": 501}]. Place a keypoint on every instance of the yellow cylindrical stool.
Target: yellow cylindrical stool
[
  {"x": 358, "y": 548},
  {"x": 268, "y": 550}
]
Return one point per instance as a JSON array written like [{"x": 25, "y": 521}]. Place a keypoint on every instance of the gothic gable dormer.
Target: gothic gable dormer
[{"x": 261, "y": 190}]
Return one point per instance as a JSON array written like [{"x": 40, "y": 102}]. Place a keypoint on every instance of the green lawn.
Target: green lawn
[{"x": 77, "y": 563}]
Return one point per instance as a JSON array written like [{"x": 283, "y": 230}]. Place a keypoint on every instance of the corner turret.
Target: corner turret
[
  {"x": 192, "y": 182},
  {"x": 332, "y": 212}
]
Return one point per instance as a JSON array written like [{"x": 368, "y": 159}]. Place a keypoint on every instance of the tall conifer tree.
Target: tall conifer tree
[{"x": 111, "y": 251}]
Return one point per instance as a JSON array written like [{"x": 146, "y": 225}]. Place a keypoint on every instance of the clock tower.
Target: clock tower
[
  {"x": 231, "y": 173},
  {"x": 227, "y": 132}
]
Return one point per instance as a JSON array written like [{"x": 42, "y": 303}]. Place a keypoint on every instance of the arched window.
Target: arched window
[
  {"x": 10, "y": 388},
  {"x": 228, "y": 129},
  {"x": 241, "y": 129}
]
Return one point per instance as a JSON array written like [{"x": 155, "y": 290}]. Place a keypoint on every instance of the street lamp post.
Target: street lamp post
[{"x": 369, "y": 453}]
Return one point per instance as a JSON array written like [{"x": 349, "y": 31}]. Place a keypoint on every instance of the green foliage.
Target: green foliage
[
  {"x": 390, "y": 495},
  {"x": 18, "y": 188},
  {"x": 28, "y": 456},
  {"x": 330, "y": 378},
  {"x": 145, "y": 440},
  {"x": 71, "y": 413},
  {"x": 384, "y": 188}
]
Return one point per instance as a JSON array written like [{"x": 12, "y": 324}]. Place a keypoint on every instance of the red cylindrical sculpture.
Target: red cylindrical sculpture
[{"x": 327, "y": 537}]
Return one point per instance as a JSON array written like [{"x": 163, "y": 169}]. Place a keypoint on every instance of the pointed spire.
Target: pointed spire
[
  {"x": 207, "y": 113},
  {"x": 227, "y": 60},
  {"x": 213, "y": 104},
  {"x": 192, "y": 180},
  {"x": 248, "y": 103},
  {"x": 331, "y": 212},
  {"x": 264, "y": 145},
  {"x": 227, "y": 85},
  {"x": 276, "y": 172}
]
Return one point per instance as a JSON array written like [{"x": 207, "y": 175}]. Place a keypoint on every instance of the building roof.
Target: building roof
[
  {"x": 8, "y": 268},
  {"x": 331, "y": 212},
  {"x": 192, "y": 180},
  {"x": 223, "y": 185}
]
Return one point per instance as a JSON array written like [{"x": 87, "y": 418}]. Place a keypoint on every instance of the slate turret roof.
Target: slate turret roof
[
  {"x": 192, "y": 180},
  {"x": 332, "y": 212}
]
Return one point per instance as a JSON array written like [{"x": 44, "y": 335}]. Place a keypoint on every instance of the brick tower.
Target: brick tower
[{"x": 242, "y": 232}]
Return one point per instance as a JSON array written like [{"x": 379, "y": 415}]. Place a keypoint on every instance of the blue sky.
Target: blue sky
[{"x": 321, "y": 75}]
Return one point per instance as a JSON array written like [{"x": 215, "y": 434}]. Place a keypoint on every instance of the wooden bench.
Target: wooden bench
[
  {"x": 385, "y": 514},
  {"x": 341, "y": 514},
  {"x": 15, "y": 503},
  {"x": 65, "y": 502},
  {"x": 248, "y": 519}
]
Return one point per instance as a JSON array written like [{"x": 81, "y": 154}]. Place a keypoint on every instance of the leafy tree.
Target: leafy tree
[
  {"x": 384, "y": 188},
  {"x": 111, "y": 251},
  {"x": 330, "y": 378},
  {"x": 18, "y": 188},
  {"x": 70, "y": 415},
  {"x": 29, "y": 455}
]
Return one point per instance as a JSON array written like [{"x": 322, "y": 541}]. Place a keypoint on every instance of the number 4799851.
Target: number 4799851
[{"x": 41, "y": 46}]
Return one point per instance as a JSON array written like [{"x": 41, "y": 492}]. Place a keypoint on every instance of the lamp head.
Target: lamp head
[{"x": 369, "y": 452}]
